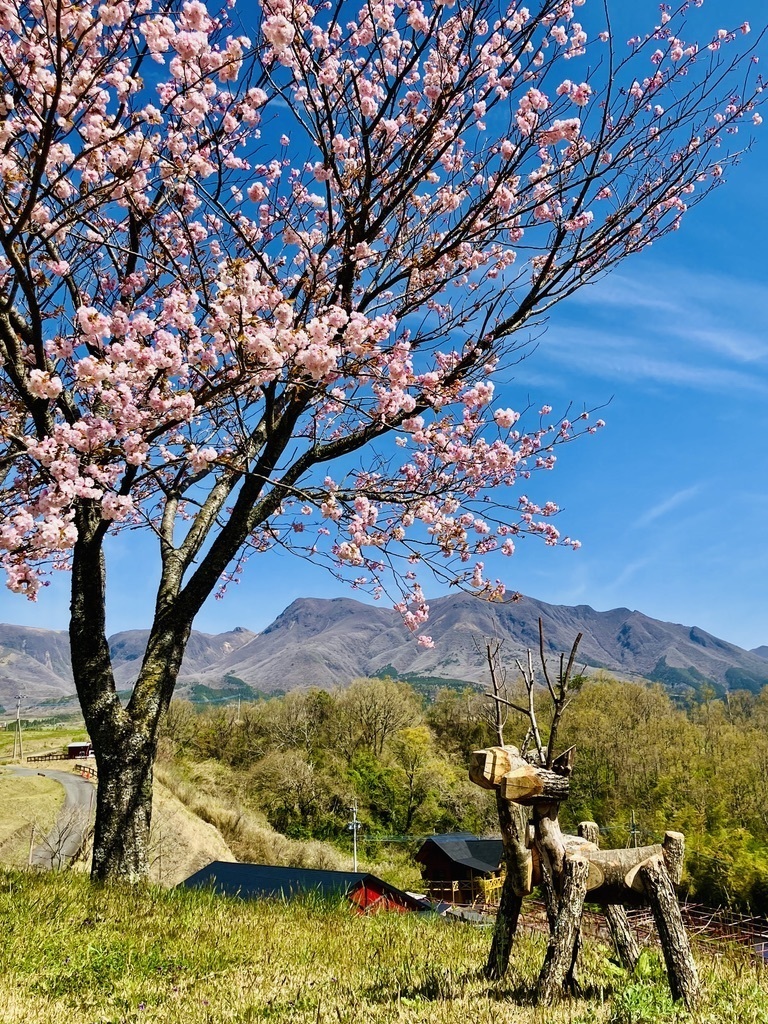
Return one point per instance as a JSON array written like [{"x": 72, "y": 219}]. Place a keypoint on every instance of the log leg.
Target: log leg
[
  {"x": 624, "y": 939},
  {"x": 623, "y": 936},
  {"x": 674, "y": 855},
  {"x": 517, "y": 883},
  {"x": 683, "y": 978},
  {"x": 562, "y": 942},
  {"x": 504, "y": 931},
  {"x": 571, "y": 984}
]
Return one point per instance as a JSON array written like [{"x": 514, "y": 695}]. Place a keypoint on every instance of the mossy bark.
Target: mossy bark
[
  {"x": 563, "y": 942},
  {"x": 681, "y": 968}
]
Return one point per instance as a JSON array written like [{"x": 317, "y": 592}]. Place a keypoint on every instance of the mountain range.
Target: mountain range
[{"x": 326, "y": 643}]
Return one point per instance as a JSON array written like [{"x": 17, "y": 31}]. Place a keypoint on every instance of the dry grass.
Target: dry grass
[
  {"x": 181, "y": 842},
  {"x": 25, "y": 801},
  {"x": 207, "y": 795}
]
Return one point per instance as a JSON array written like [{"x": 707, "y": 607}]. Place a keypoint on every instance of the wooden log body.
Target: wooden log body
[
  {"x": 683, "y": 977},
  {"x": 529, "y": 784},
  {"x": 611, "y": 868},
  {"x": 672, "y": 849},
  {"x": 489, "y": 766},
  {"x": 614, "y": 876}
]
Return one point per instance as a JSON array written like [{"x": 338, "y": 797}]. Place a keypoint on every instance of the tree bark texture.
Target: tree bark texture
[
  {"x": 623, "y": 936},
  {"x": 504, "y": 931},
  {"x": 561, "y": 950},
  {"x": 518, "y": 882},
  {"x": 683, "y": 977},
  {"x": 123, "y": 809},
  {"x": 673, "y": 848},
  {"x": 590, "y": 831}
]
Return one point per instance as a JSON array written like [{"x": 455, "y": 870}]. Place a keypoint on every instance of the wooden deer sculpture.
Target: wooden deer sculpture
[{"x": 574, "y": 867}]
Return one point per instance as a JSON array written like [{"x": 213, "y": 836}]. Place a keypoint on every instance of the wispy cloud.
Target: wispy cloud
[
  {"x": 668, "y": 505},
  {"x": 667, "y": 325},
  {"x": 628, "y": 572},
  {"x": 620, "y": 354}
]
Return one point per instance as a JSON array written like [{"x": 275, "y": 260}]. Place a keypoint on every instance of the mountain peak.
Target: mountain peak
[{"x": 329, "y": 642}]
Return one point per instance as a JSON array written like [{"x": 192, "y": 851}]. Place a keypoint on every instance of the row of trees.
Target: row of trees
[{"x": 305, "y": 757}]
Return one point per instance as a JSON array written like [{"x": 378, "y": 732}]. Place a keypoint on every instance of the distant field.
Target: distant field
[
  {"x": 41, "y": 741},
  {"x": 25, "y": 801},
  {"x": 114, "y": 956}
]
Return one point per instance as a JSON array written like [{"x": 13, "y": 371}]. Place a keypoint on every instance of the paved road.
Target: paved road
[{"x": 76, "y": 814}]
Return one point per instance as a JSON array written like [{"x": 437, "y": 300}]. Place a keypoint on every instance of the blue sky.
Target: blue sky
[{"x": 670, "y": 501}]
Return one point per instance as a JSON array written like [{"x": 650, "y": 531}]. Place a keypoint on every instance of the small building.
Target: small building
[
  {"x": 75, "y": 750},
  {"x": 264, "y": 881},
  {"x": 462, "y": 868}
]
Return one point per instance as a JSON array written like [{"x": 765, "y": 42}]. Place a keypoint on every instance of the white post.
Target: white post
[
  {"x": 18, "y": 731},
  {"x": 354, "y": 826}
]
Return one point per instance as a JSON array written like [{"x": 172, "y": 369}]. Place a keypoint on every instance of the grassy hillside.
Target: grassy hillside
[
  {"x": 25, "y": 802},
  {"x": 151, "y": 956}
]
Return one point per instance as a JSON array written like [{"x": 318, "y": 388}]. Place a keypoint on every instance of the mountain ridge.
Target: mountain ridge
[{"x": 327, "y": 642}]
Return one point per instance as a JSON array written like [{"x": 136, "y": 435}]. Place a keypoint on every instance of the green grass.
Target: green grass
[{"x": 119, "y": 956}]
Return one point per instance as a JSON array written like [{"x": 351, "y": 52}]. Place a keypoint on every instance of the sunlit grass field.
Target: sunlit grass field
[
  {"x": 69, "y": 952},
  {"x": 41, "y": 740},
  {"x": 25, "y": 803}
]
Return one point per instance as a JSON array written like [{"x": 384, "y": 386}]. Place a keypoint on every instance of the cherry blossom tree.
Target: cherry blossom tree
[{"x": 256, "y": 281}]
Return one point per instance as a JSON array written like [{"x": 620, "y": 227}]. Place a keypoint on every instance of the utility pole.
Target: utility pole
[
  {"x": 17, "y": 734},
  {"x": 353, "y": 826}
]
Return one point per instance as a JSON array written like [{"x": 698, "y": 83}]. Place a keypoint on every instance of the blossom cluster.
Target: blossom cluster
[{"x": 186, "y": 304}]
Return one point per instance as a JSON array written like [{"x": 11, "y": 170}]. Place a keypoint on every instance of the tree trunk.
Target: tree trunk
[
  {"x": 123, "y": 738},
  {"x": 561, "y": 951},
  {"x": 123, "y": 807},
  {"x": 517, "y": 883},
  {"x": 683, "y": 977}
]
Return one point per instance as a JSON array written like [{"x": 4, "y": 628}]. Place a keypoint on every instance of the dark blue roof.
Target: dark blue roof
[
  {"x": 463, "y": 848},
  {"x": 258, "y": 881}
]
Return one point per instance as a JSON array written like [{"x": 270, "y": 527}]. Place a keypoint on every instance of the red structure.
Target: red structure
[{"x": 75, "y": 750}]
